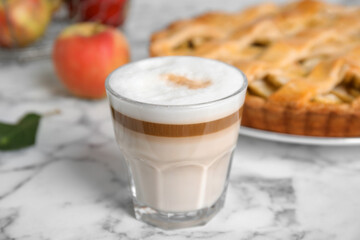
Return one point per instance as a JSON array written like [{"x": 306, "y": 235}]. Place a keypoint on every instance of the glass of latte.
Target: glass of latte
[{"x": 176, "y": 121}]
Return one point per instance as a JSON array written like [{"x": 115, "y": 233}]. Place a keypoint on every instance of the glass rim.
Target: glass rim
[{"x": 242, "y": 88}]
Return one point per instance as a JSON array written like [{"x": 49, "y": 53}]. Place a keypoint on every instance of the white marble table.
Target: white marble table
[{"x": 72, "y": 184}]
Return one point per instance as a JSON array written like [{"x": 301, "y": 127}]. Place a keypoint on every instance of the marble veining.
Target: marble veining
[{"x": 73, "y": 184}]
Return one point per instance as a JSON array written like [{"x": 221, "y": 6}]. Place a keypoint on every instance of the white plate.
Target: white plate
[{"x": 288, "y": 138}]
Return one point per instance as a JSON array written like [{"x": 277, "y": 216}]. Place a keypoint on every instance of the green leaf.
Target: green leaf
[{"x": 20, "y": 135}]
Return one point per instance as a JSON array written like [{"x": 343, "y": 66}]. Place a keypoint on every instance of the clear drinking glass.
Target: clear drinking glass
[{"x": 179, "y": 172}]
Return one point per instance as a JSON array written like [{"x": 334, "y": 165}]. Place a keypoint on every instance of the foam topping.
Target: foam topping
[{"x": 173, "y": 81}]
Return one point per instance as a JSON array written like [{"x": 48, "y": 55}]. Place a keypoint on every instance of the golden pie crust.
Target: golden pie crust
[{"x": 302, "y": 61}]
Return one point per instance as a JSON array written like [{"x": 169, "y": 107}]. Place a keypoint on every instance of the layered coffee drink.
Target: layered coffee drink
[{"x": 176, "y": 120}]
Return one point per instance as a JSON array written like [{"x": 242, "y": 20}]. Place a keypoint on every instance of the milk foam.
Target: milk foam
[{"x": 145, "y": 81}]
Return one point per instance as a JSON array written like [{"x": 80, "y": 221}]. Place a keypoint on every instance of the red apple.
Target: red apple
[
  {"x": 85, "y": 53},
  {"x": 110, "y": 12},
  {"x": 23, "y": 21}
]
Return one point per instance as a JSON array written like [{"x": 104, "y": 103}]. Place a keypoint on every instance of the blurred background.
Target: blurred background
[{"x": 137, "y": 18}]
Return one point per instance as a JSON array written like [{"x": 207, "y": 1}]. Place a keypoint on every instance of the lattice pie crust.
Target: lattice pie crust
[{"x": 302, "y": 61}]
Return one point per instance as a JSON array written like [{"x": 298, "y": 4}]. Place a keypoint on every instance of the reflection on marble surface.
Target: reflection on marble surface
[{"x": 73, "y": 183}]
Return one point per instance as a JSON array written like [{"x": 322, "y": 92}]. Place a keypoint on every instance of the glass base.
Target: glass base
[{"x": 176, "y": 220}]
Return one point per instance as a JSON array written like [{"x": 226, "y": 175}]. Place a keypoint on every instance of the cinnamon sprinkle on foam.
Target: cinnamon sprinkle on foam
[{"x": 186, "y": 82}]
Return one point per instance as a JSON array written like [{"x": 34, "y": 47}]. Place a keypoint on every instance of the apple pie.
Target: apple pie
[{"x": 302, "y": 61}]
